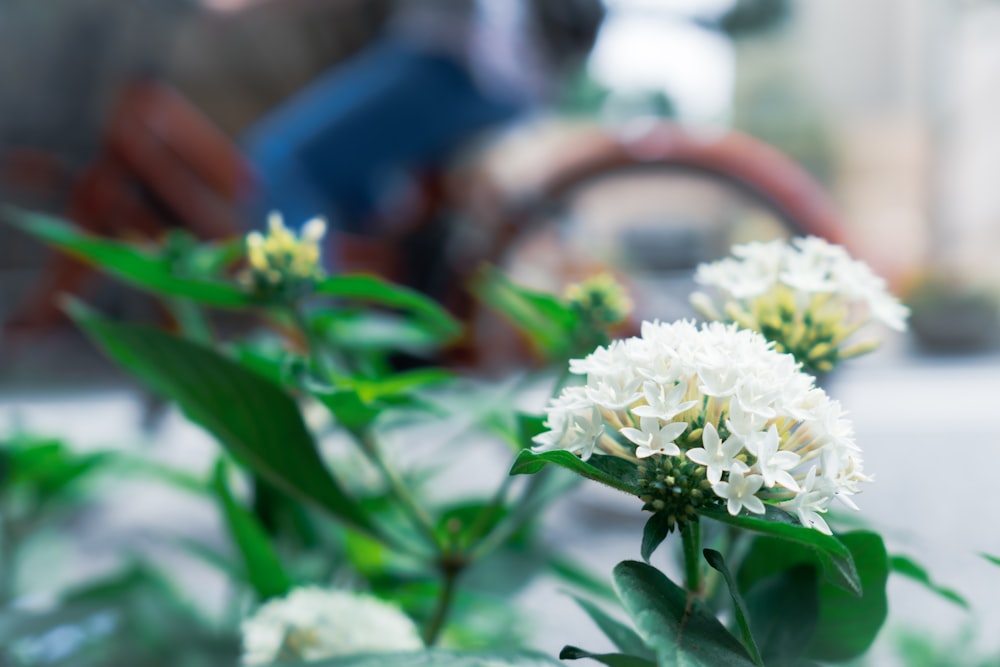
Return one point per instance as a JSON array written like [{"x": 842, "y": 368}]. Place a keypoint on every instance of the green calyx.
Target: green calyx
[{"x": 674, "y": 487}]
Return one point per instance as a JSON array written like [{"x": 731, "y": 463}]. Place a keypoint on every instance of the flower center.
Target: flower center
[{"x": 676, "y": 487}]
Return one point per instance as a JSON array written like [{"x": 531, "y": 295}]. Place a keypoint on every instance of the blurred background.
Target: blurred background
[{"x": 552, "y": 138}]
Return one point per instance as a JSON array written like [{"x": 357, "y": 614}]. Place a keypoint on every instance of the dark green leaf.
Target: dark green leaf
[
  {"x": 128, "y": 263},
  {"x": 253, "y": 417},
  {"x": 654, "y": 532},
  {"x": 372, "y": 289},
  {"x": 910, "y": 568},
  {"x": 442, "y": 658},
  {"x": 609, "y": 470},
  {"x": 544, "y": 319},
  {"x": 609, "y": 659},
  {"x": 838, "y": 567},
  {"x": 784, "y": 610},
  {"x": 716, "y": 560},
  {"x": 677, "y": 628},
  {"x": 623, "y": 637},
  {"x": 263, "y": 567},
  {"x": 848, "y": 624},
  {"x": 349, "y": 410}
]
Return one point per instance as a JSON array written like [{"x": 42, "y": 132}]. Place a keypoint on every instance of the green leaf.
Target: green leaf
[
  {"x": 374, "y": 331},
  {"x": 263, "y": 567},
  {"x": 654, "y": 532},
  {"x": 372, "y": 289},
  {"x": 848, "y": 624},
  {"x": 609, "y": 659},
  {"x": 991, "y": 558},
  {"x": 528, "y": 426},
  {"x": 575, "y": 575},
  {"x": 128, "y": 263},
  {"x": 349, "y": 410},
  {"x": 251, "y": 416},
  {"x": 442, "y": 658},
  {"x": 609, "y": 470},
  {"x": 677, "y": 628},
  {"x": 543, "y": 318},
  {"x": 835, "y": 558},
  {"x": 717, "y": 562},
  {"x": 784, "y": 610},
  {"x": 623, "y": 637},
  {"x": 910, "y": 568}
]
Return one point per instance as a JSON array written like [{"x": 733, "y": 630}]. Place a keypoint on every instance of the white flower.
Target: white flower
[
  {"x": 717, "y": 456},
  {"x": 808, "y": 296},
  {"x": 771, "y": 464},
  {"x": 663, "y": 402},
  {"x": 710, "y": 415},
  {"x": 739, "y": 492},
  {"x": 280, "y": 259},
  {"x": 313, "y": 624},
  {"x": 653, "y": 439}
]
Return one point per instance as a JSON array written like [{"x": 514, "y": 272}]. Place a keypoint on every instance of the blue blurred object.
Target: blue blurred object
[{"x": 337, "y": 146}]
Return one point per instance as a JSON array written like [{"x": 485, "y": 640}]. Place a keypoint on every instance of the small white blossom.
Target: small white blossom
[
  {"x": 717, "y": 456},
  {"x": 812, "y": 500},
  {"x": 663, "y": 402},
  {"x": 314, "y": 624},
  {"x": 773, "y": 465},
  {"x": 651, "y": 438},
  {"x": 739, "y": 492}
]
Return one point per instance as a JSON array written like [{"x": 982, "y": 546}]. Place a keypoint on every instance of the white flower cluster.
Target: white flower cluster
[
  {"x": 313, "y": 624},
  {"x": 711, "y": 415},
  {"x": 807, "y": 296},
  {"x": 280, "y": 257}
]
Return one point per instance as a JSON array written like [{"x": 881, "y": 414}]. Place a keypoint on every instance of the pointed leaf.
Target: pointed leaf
[
  {"x": 784, "y": 610},
  {"x": 609, "y": 470},
  {"x": 372, "y": 289},
  {"x": 718, "y": 563},
  {"x": 677, "y": 628},
  {"x": 609, "y": 659},
  {"x": 253, "y": 417},
  {"x": 848, "y": 625},
  {"x": 575, "y": 575},
  {"x": 838, "y": 566},
  {"x": 623, "y": 637},
  {"x": 264, "y": 570},
  {"x": 991, "y": 558},
  {"x": 654, "y": 532},
  {"x": 126, "y": 262},
  {"x": 543, "y": 318},
  {"x": 910, "y": 568}
]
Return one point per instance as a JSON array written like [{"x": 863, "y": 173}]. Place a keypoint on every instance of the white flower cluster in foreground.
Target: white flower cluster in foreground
[
  {"x": 807, "y": 296},
  {"x": 711, "y": 415},
  {"x": 314, "y": 623}
]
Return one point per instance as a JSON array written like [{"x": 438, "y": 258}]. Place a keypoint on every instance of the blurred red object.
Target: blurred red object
[{"x": 162, "y": 165}]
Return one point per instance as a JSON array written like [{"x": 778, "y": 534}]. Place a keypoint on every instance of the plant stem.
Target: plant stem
[
  {"x": 450, "y": 569},
  {"x": 420, "y": 519},
  {"x": 318, "y": 349},
  {"x": 691, "y": 542}
]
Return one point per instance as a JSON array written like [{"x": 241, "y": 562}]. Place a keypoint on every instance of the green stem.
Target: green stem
[
  {"x": 319, "y": 352},
  {"x": 420, "y": 519},
  {"x": 450, "y": 569},
  {"x": 691, "y": 542}
]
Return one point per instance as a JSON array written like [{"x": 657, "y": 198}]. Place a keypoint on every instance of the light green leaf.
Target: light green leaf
[
  {"x": 128, "y": 263},
  {"x": 674, "y": 626},
  {"x": 609, "y": 659},
  {"x": 372, "y": 289},
  {"x": 908, "y": 567},
  {"x": 623, "y": 637},
  {"x": 991, "y": 558},
  {"x": 718, "y": 563},
  {"x": 251, "y": 416},
  {"x": 609, "y": 470},
  {"x": 373, "y": 331},
  {"x": 543, "y": 318},
  {"x": 263, "y": 567},
  {"x": 835, "y": 558},
  {"x": 572, "y": 573}
]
